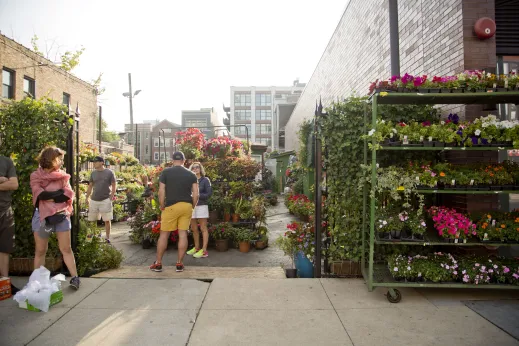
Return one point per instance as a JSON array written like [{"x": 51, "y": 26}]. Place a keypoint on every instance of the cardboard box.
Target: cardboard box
[
  {"x": 55, "y": 298},
  {"x": 5, "y": 288}
]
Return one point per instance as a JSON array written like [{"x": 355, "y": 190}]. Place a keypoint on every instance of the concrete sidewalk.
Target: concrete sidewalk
[{"x": 252, "y": 312}]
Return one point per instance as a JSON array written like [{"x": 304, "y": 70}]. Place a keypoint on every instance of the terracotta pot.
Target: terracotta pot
[
  {"x": 226, "y": 217},
  {"x": 260, "y": 245},
  {"x": 244, "y": 246},
  {"x": 235, "y": 217},
  {"x": 221, "y": 245}
]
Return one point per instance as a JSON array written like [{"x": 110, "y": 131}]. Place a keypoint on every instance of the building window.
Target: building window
[
  {"x": 196, "y": 123},
  {"x": 263, "y": 99},
  {"x": 240, "y": 130},
  {"x": 8, "y": 83},
  {"x": 167, "y": 156},
  {"x": 265, "y": 141},
  {"x": 156, "y": 156},
  {"x": 242, "y": 114},
  {"x": 263, "y": 114},
  {"x": 147, "y": 149},
  {"x": 242, "y": 100},
  {"x": 146, "y": 135},
  {"x": 29, "y": 87},
  {"x": 263, "y": 129},
  {"x": 166, "y": 142},
  {"x": 161, "y": 156},
  {"x": 66, "y": 99},
  {"x": 156, "y": 142}
]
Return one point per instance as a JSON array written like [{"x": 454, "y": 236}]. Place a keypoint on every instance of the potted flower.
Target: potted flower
[
  {"x": 289, "y": 248},
  {"x": 243, "y": 237},
  {"x": 263, "y": 238},
  {"x": 221, "y": 233}
]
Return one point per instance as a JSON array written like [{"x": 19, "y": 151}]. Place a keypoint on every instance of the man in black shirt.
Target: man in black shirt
[
  {"x": 8, "y": 183},
  {"x": 178, "y": 196}
]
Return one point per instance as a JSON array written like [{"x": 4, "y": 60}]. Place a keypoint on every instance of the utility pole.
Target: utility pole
[
  {"x": 131, "y": 105},
  {"x": 100, "y": 127}
]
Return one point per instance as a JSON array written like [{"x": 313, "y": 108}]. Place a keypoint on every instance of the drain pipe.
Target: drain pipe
[{"x": 394, "y": 41}]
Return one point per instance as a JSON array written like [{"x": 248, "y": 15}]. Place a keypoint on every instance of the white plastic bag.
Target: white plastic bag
[{"x": 38, "y": 290}]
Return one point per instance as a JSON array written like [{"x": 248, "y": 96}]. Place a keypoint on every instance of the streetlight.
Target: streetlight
[{"x": 131, "y": 95}]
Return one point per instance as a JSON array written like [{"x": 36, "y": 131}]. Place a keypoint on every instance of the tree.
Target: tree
[
  {"x": 106, "y": 135},
  {"x": 68, "y": 60}
]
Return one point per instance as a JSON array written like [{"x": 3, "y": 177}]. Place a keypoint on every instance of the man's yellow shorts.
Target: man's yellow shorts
[{"x": 176, "y": 216}]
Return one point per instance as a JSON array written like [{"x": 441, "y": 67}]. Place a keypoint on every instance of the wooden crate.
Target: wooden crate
[{"x": 25, "y": 266}]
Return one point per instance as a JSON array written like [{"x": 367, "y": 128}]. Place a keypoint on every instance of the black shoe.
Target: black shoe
[
  {"x": 74, "y": 282},
  {"x": 14, "y": 289},
  {"x": 180, "y": 267},
  {"x": 156, "y": 267}
]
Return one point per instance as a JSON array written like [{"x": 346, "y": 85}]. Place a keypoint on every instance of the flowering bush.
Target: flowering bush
[
  {"x": 190, "y": 142},
  {"x": 300, "y": 204},
  {"x": 451, "y": 224},
  {"x": 302, "y": 236},
  {"x": 222, "y": 231},
  {"x": 223, "y": 146}
]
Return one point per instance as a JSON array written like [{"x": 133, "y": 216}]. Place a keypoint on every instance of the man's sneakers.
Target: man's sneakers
[
  {"x": 180, "y": 267},
  {"x": 74, "y": 282},
  {"x": 201, "y": 254},
  {"x": 192, "y": 251},
  {"x": 156, "y": 267}
]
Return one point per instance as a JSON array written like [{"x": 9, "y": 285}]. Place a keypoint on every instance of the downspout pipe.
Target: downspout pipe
[{"x": 394, "y": 40}]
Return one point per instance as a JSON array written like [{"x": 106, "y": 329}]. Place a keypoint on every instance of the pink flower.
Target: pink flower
[{"x": 506, "y": 270}]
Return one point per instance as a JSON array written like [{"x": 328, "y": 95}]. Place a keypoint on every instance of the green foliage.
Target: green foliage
[
  {"x": 34, "y": 44},
  {"x": 299, "y": 186},
  {"x": 106, "y": 135},
  {"x": 98, "y": 89},
  {"x": 305, "y": 129},
  {"x": 49, "y": 124},
  {"x": 94, "y": 254},
  {"x": 69, "y": 60},
  {"x": 341, "y": 134}
]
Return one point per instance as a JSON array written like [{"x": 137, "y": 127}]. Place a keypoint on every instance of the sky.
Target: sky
[{"x": 183, "y": 55}]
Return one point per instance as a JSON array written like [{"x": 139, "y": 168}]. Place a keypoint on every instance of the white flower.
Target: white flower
[
  {"x": 370, "y": 133},
  {"x": 395, "y": 269},
  {"x": 408, "y": 268},
  {"x": 384, "y": 222},
  {"x": 478, "y": 132},
  {"x": 442, "y": 122},
  {"x": 495, "y": 266},
  {"x": 394, "y": 130},
  {"x": 419, "y": 275},
  {"x": 447, "y": 267}
]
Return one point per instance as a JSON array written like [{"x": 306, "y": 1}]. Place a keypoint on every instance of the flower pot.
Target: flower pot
[
  {"x": 235, "y": 217},
  {"x": 428, "y": 143},
  {"x": 221, "y": 245},
  {"x": 213, "y": 216},
  {"x": 304, "y": 267},
  {"x": 396, "y": 143},
  {"x": 291, "y": 273},
  {"x": 434, "y": 91},
  {"x": 396, "y": 234},
  {"x": 260, "y": 245},
  {"x": 244, "y": 246},
  {"x": 451, "y": 144},
  {"x": 508, "y": 187},
  {"x": 495, "y": 187},
  {"x": 25, "y": 266},
  {"x": 146, "y": 243},
  {"x": 226, "y": 217},
  {"x": 445, "y": 91}
]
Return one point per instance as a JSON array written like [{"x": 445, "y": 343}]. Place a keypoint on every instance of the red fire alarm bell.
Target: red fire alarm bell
[{"x": 485, "y": 28}]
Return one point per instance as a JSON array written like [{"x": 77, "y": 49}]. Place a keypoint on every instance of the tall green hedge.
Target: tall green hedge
[{"x": 26, "y": 127}]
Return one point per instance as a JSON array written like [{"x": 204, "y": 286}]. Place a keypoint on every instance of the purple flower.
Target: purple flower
[
  {"x": 474, "y": 140},
  {"x": 454, "y": 118},
  {"x": 426, "y": 123},
  {"x": 459, "y": 132},
  {"x": 484, "y": 141},
  {"x": 515, "y": 276},
  {"x": 394, "y": 78},
  {"x": 506, "y": 270},
  {"x": 407, "y": 78}
]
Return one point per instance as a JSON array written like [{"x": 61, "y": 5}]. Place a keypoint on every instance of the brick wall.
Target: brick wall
[
  {"x": 50, "y": 81},
  {"x": 431, "y": 42}
]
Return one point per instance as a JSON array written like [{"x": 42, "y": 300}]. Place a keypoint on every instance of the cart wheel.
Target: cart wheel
[{"x": 395, "y": 298}]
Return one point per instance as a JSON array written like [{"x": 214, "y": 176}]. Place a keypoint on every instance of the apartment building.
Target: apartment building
[
  {"x": 205, "y": 119},
  {"x": 253, "y": 111},
  {"x": 27, "y": 74}
]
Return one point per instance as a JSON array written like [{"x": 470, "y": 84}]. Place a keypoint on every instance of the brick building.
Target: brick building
[
  {"x": 25, "y": 73},
  {"x": 436, "y": 38}
]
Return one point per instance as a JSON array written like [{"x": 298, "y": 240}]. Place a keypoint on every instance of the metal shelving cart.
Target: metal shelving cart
[{"x": 379, "y": 275}]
